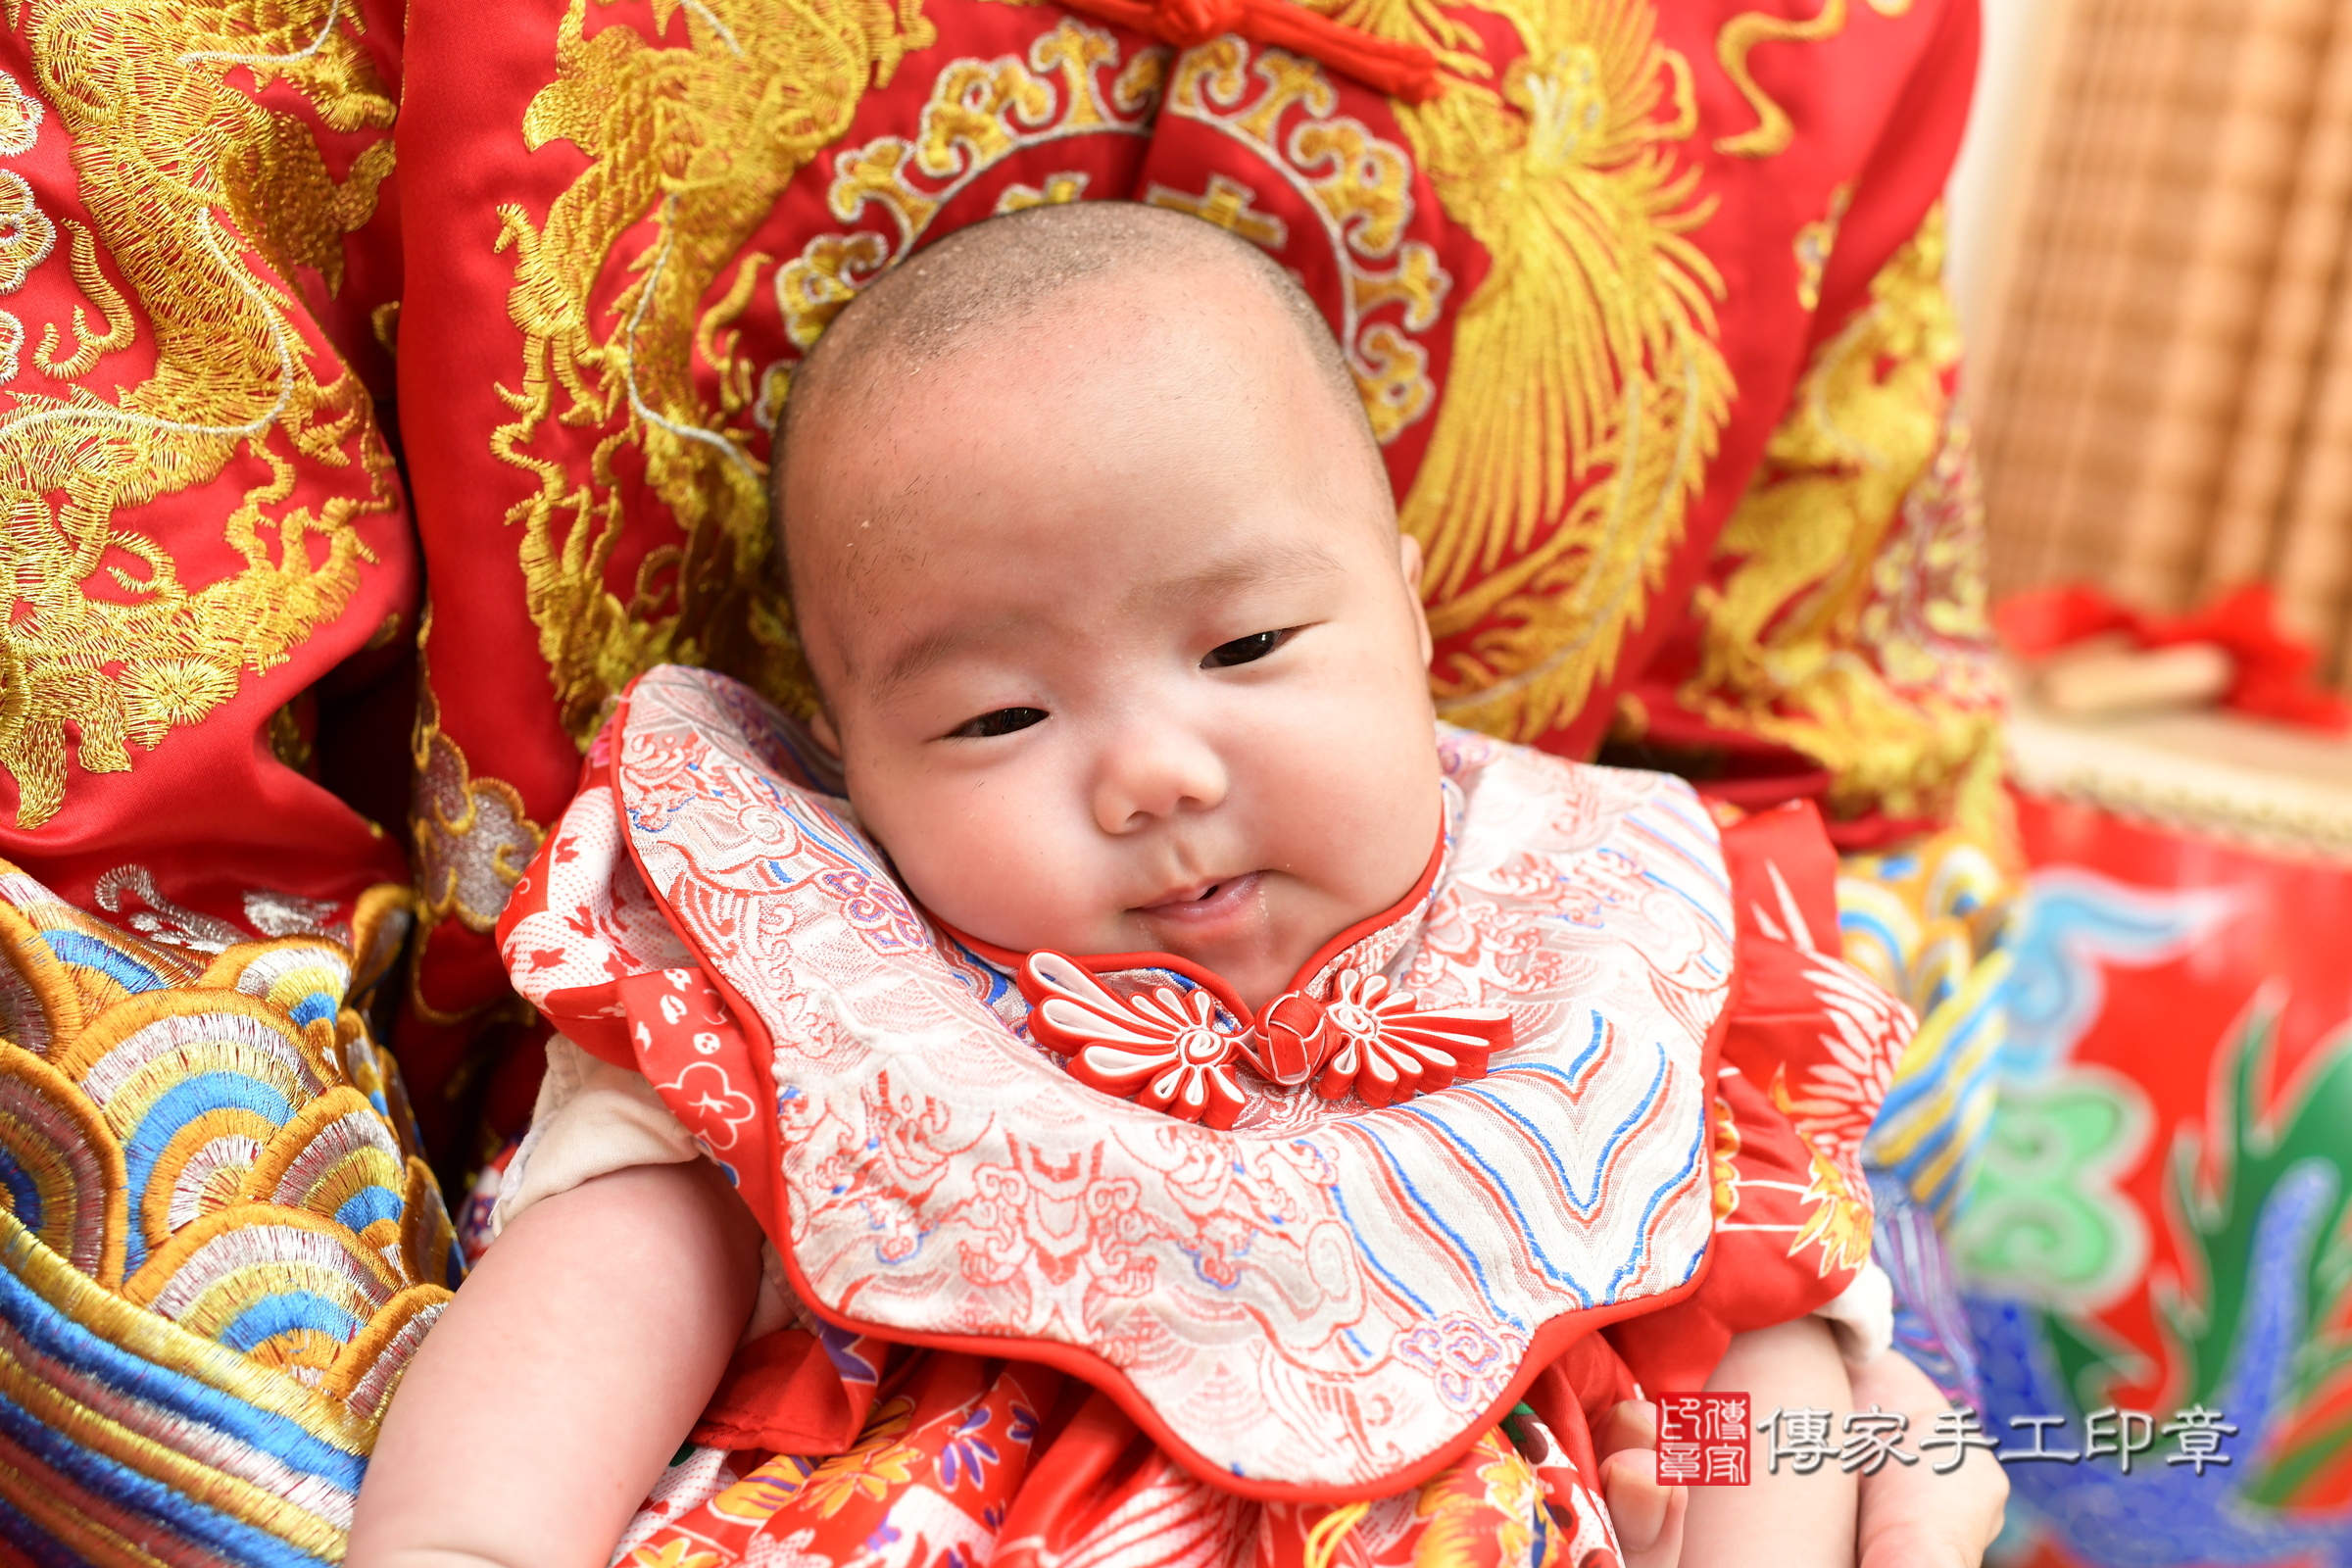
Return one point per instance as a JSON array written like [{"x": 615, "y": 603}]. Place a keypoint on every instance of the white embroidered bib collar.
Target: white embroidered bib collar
[{"x": 1327, "y": 1296}]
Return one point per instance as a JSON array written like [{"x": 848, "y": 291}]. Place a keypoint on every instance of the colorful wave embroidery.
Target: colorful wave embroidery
[{"x": 218, "y": 1244}]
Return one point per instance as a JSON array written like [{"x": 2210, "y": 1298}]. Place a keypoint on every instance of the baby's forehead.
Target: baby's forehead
[
  {"x": 1088, "y": 400},
  {"x": 1080, "y": 379}
]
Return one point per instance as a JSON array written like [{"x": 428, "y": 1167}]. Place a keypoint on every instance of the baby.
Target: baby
[{"x": 1120, "y": 651}]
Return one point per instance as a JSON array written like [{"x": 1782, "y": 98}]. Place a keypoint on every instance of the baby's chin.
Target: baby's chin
[
  {"x": 1254, "y": 932},
  {"x": 1258, "y": 958}
]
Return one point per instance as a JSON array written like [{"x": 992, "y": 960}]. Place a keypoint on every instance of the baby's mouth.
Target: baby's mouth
[{"x": 1203, "y": 900}]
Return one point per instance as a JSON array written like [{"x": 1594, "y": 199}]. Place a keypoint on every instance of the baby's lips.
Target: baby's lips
[{"x": 1294, "y": 1038}]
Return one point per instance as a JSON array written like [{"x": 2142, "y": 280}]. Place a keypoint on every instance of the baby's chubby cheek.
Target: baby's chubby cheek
[
  {"x": 992, "y": 865},
  {"x": 1355, "y": 801}
]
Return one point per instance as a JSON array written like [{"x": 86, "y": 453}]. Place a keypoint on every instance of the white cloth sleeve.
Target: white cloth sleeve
[
  {"x": 1862, "y": 1315},
  {"x": 592, "y": 1119}
]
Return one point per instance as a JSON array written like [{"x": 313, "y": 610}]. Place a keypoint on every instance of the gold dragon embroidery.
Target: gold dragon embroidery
[
  {"x": 207, "y": 202},
  {"x": 1586, "y": 390},
  {"x": 1853, "y": 629},
  {"x": 690, "y": 145}
]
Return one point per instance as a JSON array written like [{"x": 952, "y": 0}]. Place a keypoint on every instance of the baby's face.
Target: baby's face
[{"x": 1121, "y": 649}]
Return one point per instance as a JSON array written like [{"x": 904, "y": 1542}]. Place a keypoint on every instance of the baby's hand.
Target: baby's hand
[
  {"x": 1648, "y": 1516},
  {"x": 1910, "y": 1516}
]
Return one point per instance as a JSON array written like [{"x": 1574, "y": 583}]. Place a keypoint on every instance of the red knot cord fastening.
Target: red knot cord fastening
[{"x": 1398, "y": 70}]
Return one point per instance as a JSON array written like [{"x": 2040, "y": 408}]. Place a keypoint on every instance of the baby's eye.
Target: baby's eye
[
  {"x": 1004, "y": 722},
  {"x": 1244, "y": 649}
]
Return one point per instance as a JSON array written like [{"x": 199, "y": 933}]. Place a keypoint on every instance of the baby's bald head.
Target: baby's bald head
[
  {"x": 994, "y": 277},
  {"x": 1038, "y": 286}
]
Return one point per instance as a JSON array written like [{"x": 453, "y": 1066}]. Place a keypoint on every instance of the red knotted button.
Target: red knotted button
[
  {"x": 1189, "y": 24},
  {"x": 1294, "y": 1039}
]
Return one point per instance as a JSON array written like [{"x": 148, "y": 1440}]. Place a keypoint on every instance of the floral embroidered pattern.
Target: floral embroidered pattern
[
  {"x": 935, "y": 1172},
  {"x": 880, "y": 1461},
  {"x": 965, "y": 1455},
  {"x": 704, "y": 1086}
]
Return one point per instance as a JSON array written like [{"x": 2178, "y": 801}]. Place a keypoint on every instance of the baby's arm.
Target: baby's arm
[
  {"x": 1788, "y": 1520},
  {"x": 557, "y": 1383}
]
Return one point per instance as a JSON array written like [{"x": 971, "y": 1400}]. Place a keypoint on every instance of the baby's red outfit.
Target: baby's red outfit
[{"x": 1088, "y": 1283}]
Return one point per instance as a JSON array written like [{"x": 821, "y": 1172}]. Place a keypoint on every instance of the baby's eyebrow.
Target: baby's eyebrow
[
  {"x": 1271, "y": 562},
  {"x": 1286, "y": 560},
  {"x": 922, "y": 655}
]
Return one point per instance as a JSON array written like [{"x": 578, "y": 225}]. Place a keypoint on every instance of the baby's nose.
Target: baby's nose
[{"x": 1153, "y": 771}]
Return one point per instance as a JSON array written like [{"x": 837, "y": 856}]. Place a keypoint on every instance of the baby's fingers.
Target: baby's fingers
[
  {"x": 1915, "y": 1516},
  {"x": 1928, "y": 1547},
  {"x": 1628, "y": 1424},
  {"x": 1648, "y": 1516},
  {"x": 1925, "y": 1520}
]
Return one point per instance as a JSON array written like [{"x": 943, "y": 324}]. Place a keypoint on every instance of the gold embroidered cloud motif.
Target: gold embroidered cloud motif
[
  {"x": 1074, "y": 81},
  {"x": 207, "y": 202},
  {"x": 1357, "y": 184}
]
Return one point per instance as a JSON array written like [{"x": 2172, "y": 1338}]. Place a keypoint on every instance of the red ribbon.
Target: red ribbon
[
  {"x": 1398, "y": 70},
  {"x": 2274, "y": 668}
]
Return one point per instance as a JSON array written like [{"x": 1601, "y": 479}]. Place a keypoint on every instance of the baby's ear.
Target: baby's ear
[
  {"x": 1408, "y": 558},
  {"x": 821, "y": 730}
]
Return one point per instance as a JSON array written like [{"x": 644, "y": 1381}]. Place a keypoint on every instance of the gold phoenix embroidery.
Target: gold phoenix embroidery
[
  {"x": 1854, "y": 629},
  {"x": 1392, "y": 289},
  {"x": 182, "y": 175},
  {"x": 1586, "y": 390},
  {"x": 693, "y": 143}
]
